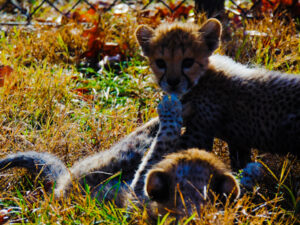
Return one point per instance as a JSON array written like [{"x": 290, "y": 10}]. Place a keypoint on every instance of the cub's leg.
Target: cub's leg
[
  {"x": 194, "y": 138},
  {"x": 289, "y": 135},
  {"x": 169, "y": 111},
  {"x": 199, "y": 131},
  {"x": 252, "y": 173}
]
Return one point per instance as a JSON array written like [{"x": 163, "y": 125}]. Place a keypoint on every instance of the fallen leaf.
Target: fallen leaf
[
  {"x": 169, "y": 12},
  {"x": 83, "y": 17},
  {"x": 96, "y": 38},
  {"x": 5, "y": 73},
  {"x": 4, "y": 215},
  {"x": 91, "y": 11},
  {"x": 83, "y": 90},
  {"x": 84, "y": 94}
]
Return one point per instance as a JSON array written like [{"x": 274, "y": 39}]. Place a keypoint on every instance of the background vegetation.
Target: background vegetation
[{"x": 76, "y": 86}]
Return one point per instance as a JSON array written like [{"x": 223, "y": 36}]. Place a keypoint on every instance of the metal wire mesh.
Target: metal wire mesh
[
  {"x": 28, "y": 10},
  {"x": 15, "y": 7}
]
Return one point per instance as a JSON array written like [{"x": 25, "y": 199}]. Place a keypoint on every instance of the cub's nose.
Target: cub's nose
[{"x": 173, "y": 81}]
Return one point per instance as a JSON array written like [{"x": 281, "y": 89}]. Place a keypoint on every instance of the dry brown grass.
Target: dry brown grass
[
  {"x": 40, "y": 112},
  {"x": 270, "y": 42}
]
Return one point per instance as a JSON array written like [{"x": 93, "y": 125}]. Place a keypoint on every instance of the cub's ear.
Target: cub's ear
[
  {"x": 227, "y": 185},
  {"x": 143, "y": 35},
  {"x": 211, "y": 31},
  {"x": 157, "y": 186}
]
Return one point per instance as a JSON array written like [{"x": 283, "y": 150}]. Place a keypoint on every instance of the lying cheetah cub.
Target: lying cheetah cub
[
  {"x": 193, "y": 173},
  {"x": 246, "y": 107}
]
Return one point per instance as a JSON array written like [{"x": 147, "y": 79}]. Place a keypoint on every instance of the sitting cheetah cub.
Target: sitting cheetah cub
[
  {"x": 246, "y": 107},
  {"x": 193, "y": 174}
]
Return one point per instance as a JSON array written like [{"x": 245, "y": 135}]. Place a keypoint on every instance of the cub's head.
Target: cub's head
[
  {"x": 178, "y": 53},
  {"x": 184, "y": 181}
]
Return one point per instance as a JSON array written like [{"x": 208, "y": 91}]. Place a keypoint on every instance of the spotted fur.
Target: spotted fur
[
  {"x": 169, "y": 130},
  {"x": 246, "y": 107},
  {"x": 93, "y": 170},
  {"x": 154, "y": 180},
  {"x": 195, "y": 175}
]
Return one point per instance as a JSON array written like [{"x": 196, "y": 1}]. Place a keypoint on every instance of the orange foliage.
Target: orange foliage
[
  {"x": 271, "y": 5},
  {"x": 169, "y": 13},
  {"x": 84, "y": 93},
  {"x": 5, "y": 73}
]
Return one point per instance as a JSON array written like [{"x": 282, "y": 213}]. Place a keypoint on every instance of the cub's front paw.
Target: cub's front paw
[
  {"x": 170, "y": 114},
  {"x": 252, "y": 173}
]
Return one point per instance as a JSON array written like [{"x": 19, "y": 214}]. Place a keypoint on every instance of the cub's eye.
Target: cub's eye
[
  {"x": 187, "y": 63},
  {"x": 160, "y": 63}
]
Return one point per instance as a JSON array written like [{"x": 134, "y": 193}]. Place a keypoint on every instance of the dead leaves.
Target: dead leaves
[
  {"x": 96, "y": 38},
  {"x": 166, "y": 12},
  {"x": 172, "y": 12},
  {"x": 277, "y": 8},
  {"x": 98, "y": 47},
  {"x": 83, "y": 17},
  {"x": 272, "y": 5},
  {"x": 5, "y": 75},
  {"x": 84, "y": 93}
]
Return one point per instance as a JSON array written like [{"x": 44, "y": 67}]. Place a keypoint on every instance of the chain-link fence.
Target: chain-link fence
[{"x": 30, "y": 10}]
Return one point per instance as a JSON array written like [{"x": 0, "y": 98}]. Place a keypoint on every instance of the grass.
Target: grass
[{"x": 49, "y": 103}]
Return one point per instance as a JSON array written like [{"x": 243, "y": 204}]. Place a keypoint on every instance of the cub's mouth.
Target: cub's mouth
[{"x": 179, "y": 89}]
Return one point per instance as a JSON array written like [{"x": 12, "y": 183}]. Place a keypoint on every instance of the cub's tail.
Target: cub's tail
[{"x": 46, "y": 165}]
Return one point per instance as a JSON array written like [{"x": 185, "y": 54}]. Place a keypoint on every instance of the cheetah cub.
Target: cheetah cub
[
  {"x": 246, "y": 107},
  {"x": 195, "y": 174},
  {"x": 158, "y": 182}
]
